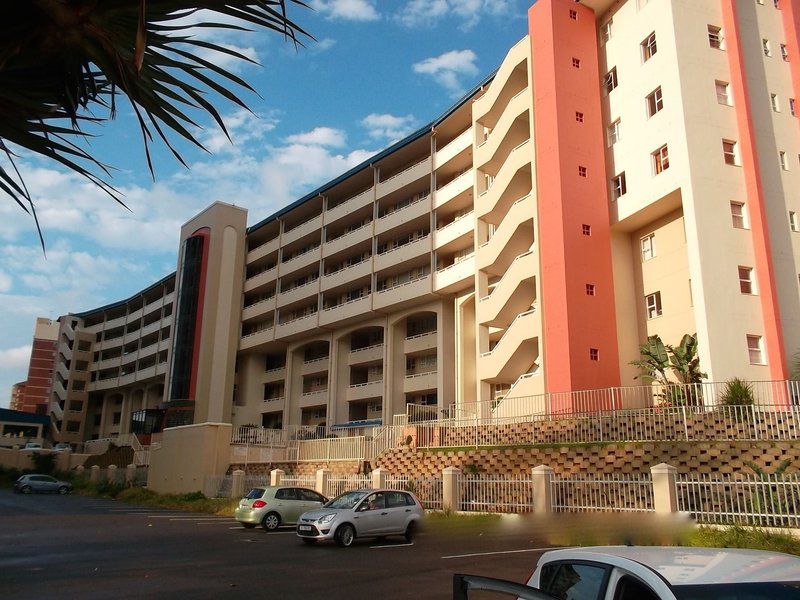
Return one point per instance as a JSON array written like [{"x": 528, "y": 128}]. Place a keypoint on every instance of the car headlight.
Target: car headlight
[{"x": 326, "y": 519}]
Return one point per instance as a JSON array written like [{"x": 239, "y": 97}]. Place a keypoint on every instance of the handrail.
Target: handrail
[
  {"x": 502, "y": 337},
  {"x": 257, "y": 331},
  {"x": 298, "y": 318},
  {"x": 297, "y": 287},
  {"x": 380, "y": 345},
  {"x": 316, "y": 360},
  {"x": 260, "y": 301},
  {"x": 275, "y": 399},
  {"x": 456, "y": 220},
  {"x": 497, "y": 283},
  {"x": 346, "y": 233},
  {"x": 513, "y": 204},
  {"x": 272, "y": 268},
  {"x": 466, "y": 133},
  {"x": 254, "y": 248},
  {"x": 407, "y": 169},
  {"x": 303, "y": 223},
  {"x": 303, "y": 253},
  {"x": 405, "y": 206},
  {"x": 413, "y": 375},
  {"x": 363, "y": 260},
  {"x": 275, "y": 369},
  {"x": 364, "y": 297},
  {"x": 456, "y": 263},
  {"x": 409, "y": 282},
  {"x": 427, "y": 235},
  {"x": 311, "y": 393},
  {"x": 419, "y": 335},
  {"x": 358, "y": 385},
  {"x": 343, "y": 202}
]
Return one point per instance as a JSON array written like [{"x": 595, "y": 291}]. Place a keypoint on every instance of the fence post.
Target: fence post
[
  {"x": 685, "y": 424},
  {"x": 451, "y": 489},
  {"x": 665, "y": 490},
  {"x": 94, "y": 473},
  {"x": 237, "y": 484},
  {"x": 542, "y": 489},
  {"x": 379, "y": 478},
  {"x": 130, "y": 474},
  {"x": 276, "y": 477},
  {"x": 323, "y": 476},
  {"x": 111, "y": 474}
]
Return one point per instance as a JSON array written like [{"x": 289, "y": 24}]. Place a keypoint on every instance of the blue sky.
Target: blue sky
[{"x": 379, "y": 70}]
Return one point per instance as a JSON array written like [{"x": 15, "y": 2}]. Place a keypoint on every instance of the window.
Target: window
[
  {"x": 660, "y": 159},
  {"x": 766, "y": 47},
  {"x": 755, "y": 350},
  {"x": 610, "y": 81},
  {"x": 606, "y": 30},
  {"x": 746, "y": 283},
  {"x": 629, "y": 588},
  {"x": 649, "y": 47},
  {"x": 618, "y": 186},
  {"x": 614, "y": 133},
  {"x": 648, "y": 244},
  {"x": 794, "y": 225},
  {"x": 653, "y": 304},
  {"x": 776, "y": 105},
  {"x": 715, "y": 39},
  {"x": 730, "y": 152},
  {"x": 784, "y": 52},
  {"x": 655, "y": 102},
  {"x": 286, "y": 494},
  {"x": 579, "y": 117},
  {"x": 739, "y": 215},
  {"x": 782, "y": 158},
  {"x": 594, "y": 354},
  {"x": 586, "y": 229},
  {"x": 792, "y": 107},
  {"x": 723, "y": 92},
  {"x": 576, "y": 62},
  {"x": 777, "y": 4},
  {"x": 582, "y": 171},
  {"x": 573, "y": 14},
  {"x": 590, "y": 289}
]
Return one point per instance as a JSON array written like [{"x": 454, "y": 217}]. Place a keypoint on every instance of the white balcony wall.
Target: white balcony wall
[
  {"x": 296, "y": 327},
  {"x": 135, "y": 315},
  {"x": 420, "y": 342},
  {"x": 514, "y": 352},
  {"x": 260, "y": 279},
  {"x": 350, "y": 205},
  {"x": 505, "y": 294},
  {"x": 521, "y": 211},
  {"x": 319, "y": 365},
  {"x": 401, "y": 254},
  {"x": 365, "y": 355},
  {"x": 403, "y": 293},
  {"x": 347, "y": 240},
  {"x": 452, "y": 189},
  {"x": 263, "y": 250},
  {"x": 404, "y": 178},
  {"x": 453, "y": 149},
  {"x": 487, "y": 201},
  {"x": 364, "y": 391},
  {"x": 348, "y": 310},
  {"x": 147, "y": 330},
  {"x": 489, "y": 148},
  {"x": 404, "y": 215},
  {"x": 301, "y": 230},
  {"x": 255, "y": 339},
  {"x": 298, "y": 262},
  {"x": 420, "y": 382},
  {"x": 344, "y": 276},
  {"x": 313, "y": 398},
  {"x": 259, "y": 308},
  {"x": 462, "y": 226},
  {"x": 143, "y": 374},
  {"x": 308, "y": 290},
  {"x": 460, "y": 273},
  {"x": 274, "y": 375},
  {"x": 488, "y": 102}
]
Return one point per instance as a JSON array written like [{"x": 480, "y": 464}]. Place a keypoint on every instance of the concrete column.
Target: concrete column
[
  {"x": 323, "y": 476},
  {"x": 276, "y": 477},
  {"x": 237, "y": 484},
  {"x": 80, "y": 470},
  {"x": 379, "y": 478},
  {"x": 451, "y": 488},
  {"x": 94, "y": 473},
  {"x": 130, "y": 474},
  {"x": 665, "y": 492},
  {"x": 111, "y": 474},
  {"x": 542, "y": 489}
]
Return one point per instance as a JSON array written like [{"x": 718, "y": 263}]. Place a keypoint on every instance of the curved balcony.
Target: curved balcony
[
  {"x": 508, "y": 242},
  {"x": 405, "y": 177},
  {"x": 514, "y": 293},
  {"x": 263, "y": 278},
  {"x": 294, "y": 234},
  {"x": 348, "y": 206},
  {"x": 457, "y": 276},
  {"x": 263, "y": 250},
  {"x": 494, "y": 146},
  {"x": 454, "y": 188},
  {"x": 455, "y": 147},
  {"x": 461, "y": 226},
  {"x": 513, "y": 353},
  {"x": 347, "y": 240}
]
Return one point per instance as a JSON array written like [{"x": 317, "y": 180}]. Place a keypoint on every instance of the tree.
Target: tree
[
  {"x": 658, "y": 361},
  {"x": 65, "y": 63},
  {"x": 654, "y": 363}
]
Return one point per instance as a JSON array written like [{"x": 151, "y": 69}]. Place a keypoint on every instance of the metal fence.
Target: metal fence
[
  {"x": 763, "y": 500},
  {"x": 306, "y": 481},
  {"x": 626, "y": 493},
  {"x": 340, "y": 485},
  {"x": 496, "y": 493},
  {"x": 427, "y": 488},
  {"x": 332, "y": 449}
]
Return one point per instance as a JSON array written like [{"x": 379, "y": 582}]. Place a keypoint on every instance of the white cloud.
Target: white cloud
[
  {"x": 226, "y": 61},
  {"x": 323, "y": 45},
  {"x": 349, "y": 10},
  {"x": 428, "y": 13},
  {"x": 320, "y": 136},
  {"x": 448, "y": 69},
  {"x": 5, "y": 283},
  {"x": 15, "y": 358},
  {"x": 243, "y": 126},
  {"x": 387, "y": 126}
]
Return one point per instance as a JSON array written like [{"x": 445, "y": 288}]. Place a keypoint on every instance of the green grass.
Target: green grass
[
  {"x": 744, "y": 537},
  {"x": 192, "y": 502}
]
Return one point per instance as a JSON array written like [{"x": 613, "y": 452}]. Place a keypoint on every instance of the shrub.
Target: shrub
[
  {"x": 737, "y": 392},
  {"x": 44, "y": 462},
  {"x": 745, "y": 537}
]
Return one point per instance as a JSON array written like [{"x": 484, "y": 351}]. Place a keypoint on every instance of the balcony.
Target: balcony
[
  {"x": 365, "y": 355},
  {"x": 297, "y": 326},
  {"x": 314, "y": 398},
  {"x": 302, "y": 260},
  {"x": 364, "y": 391},
  {"x": 312, "y": 224},
  {"x": 409, "y": 212},
  {"x": 420, "y": 342},
  {"x": 405, "y": 177},
  {"x": 135, "y": 315},
  {"x": 513, "y": 294},
  {"x": 347, "y": 240},
  {"x": 145, "y": 373},
  {"x": 401, "y": 254},
  {"x": 260, "y": 308},
  {"x": 263, "y": 250},
  {"x": 301, "y": 292},
  {"x": 461, "y": 226},
  {"x": 514, "y": 352},
  {"x": 114, "y": 323},
  {"x": 513, "y": 237},
  {"x": 256, "y": 338},
  {"x": 513, "y": 180},
  {"x": 509, "y": 127},
  {"x": 316, "y": 365},
  {"x": 410, "y": 290},
  {"x": 278, "y": 374},
  {"x": 353, "y": 309},
  {"x": 350, "y": 205},
  {"x": 351, "y": 273},
  {"x": 454, "y": 188},
  {"x": 456, "y": 276},
  {"x": 453, "y": 149},
  {"x": 262, "y": 278},
  {"x": 420, "y": 382},
  {"x": 509, "y": 79}
]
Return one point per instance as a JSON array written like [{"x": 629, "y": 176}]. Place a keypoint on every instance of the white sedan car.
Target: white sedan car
[{"x": 650, "y": 573}]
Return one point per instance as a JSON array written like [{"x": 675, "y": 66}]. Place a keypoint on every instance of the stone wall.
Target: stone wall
[{"x": 338, "y": 468}]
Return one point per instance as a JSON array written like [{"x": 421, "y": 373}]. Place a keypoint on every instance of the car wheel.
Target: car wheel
[
  {"x": 309, "y": 541},
  {"x": 345, "y": 536},
  {"x": 63, "y": 490},
  {"x": 26, "y": 489},
  {"x": 410, "y": 531},
  {"x": 271, "y": 521},
  {"x": 248, "y": 525}
]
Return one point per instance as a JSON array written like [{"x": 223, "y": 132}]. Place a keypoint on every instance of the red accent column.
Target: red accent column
[
  {"x": 205, "y": 233},
  {"x": 790, "y": 12},
  {"x": 765, "y": 272},
  {"x": 573, "y": 322}
]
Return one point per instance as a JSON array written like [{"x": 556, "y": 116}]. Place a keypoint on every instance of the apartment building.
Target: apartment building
[
  {"x": 17, "y": 396},
  {"x": 630, "y": 169},
  {"x": 33, "y": 394}
]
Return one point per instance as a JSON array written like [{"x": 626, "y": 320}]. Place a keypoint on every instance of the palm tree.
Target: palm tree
[{"x": 66, "y": 63}]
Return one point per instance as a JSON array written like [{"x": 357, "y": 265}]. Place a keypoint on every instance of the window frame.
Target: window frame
[
  {"x": 716, "y": 39},
  {"x": 610, "y": 80},
  {"x": 650, "y": 238},
  {"x": 649, "y": 47},
  {"x": 730, "y": 156},
  {"x": 619, "y": 186},
  {"x": 654, "y": 101},
  {"x": 726, "y": 86},
  {"x": 660, "y": 159},
  {"x": 762, "y": 359},
  {"x": 657, "y": 308},
  {"x": 747, "y": 280},
  {"x": 614, "y": 132},
  {"x": 743, "y": 216}
]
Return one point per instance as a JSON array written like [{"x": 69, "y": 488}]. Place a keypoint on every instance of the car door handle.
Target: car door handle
[
  {"x": 408, "y": 510},
  {"x": 385, "y": 513}
]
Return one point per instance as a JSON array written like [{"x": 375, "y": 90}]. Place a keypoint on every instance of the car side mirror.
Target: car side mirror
[{"x": 362, "y": 508}]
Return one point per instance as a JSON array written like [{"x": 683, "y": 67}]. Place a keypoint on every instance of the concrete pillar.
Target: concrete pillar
[
  {"x": 323, "y": 476},
  {"x": 237, "y": 484},
  {"x": 130, "y": 474},
  {"x": 451, "y": 489},
  {"x": 665, "y": 492},
  {"x": 111, "y": 474},
  {"x": 80, "y": 470},
  {"x": 94, "y": 473},
  {"x": 276, "y": 477},
  {"x": 542, "y": 489},
  {"x": 379, "y": 477}
]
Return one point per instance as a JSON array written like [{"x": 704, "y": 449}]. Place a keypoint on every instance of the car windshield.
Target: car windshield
[
  {"x": 255, "y": 493},
  {"x": 346, "y": 500},
  {"x": 783, "y": 590}
]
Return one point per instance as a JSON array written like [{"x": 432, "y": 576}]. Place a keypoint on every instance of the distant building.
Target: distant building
[
  {"x": 36, "y": 390},
  {"x": 17, "y": 395}
]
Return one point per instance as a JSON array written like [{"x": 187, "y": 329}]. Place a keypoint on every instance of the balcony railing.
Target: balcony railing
[
  {"x": 422, "y": 237},
  {"x": 405, "y": 283},
  {"x": 303, "y": 252},
  {"x": 317, "y": 391},
  {"x": 407, "y": 169},
  {"x": 274, "y": 399},
  {"x": 300, "y": 318},
  {"x": 257, "y": 331},
  {"x": 312, "y": 361},
  {"x": 297, "y": 287},
  {"x": 363, "y": 260},
  {"x": 293, "y": 227},
  {"x": 525, "y": 197},
  {"x": 422, "y": 374},
  {"x": 395, "y": 209},
  {"x": 456, "y": 220},
  {"x": 264, "y": 243},
  {"x": 499, "y": 281},
  {"x": 348, "y": 232},
  {"x": 419, "y": 335},
  {"x": 365, "y": 384},
  {"x": 380, "y": 345},
  {"x": 345, "y": 303},
  {"x": 267, "y": 299},
  {"x": 505, "y": 333},
  {"x": 254, "y": 275},
  {"x": 456, "y": 263}
]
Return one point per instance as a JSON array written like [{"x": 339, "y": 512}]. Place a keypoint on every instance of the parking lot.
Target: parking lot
[{"x": 70, "y": 546}]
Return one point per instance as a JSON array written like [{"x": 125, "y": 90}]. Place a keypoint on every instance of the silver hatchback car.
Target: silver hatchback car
[
  {"x": 362, "y": 513},
  {"x": 273, "y": 506}
]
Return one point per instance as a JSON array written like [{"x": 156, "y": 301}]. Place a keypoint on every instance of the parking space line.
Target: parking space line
[
  {"x": 201, "y": 519},
  {"x": 215, "y": 523},
  {"x": 503, "y": 552},
  {"x": 391, "y": 546}
]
